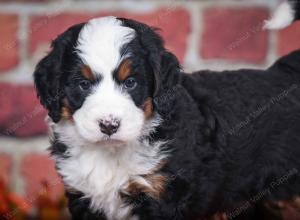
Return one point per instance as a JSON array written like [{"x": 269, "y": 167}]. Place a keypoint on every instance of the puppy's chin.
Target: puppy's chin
[{"x": 109, "y": 142}]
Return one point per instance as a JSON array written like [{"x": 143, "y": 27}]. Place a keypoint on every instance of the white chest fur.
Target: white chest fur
[{"x": 101, "y": 172}]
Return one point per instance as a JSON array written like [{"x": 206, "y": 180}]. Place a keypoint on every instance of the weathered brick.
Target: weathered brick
[
  {"x": 174, "y": 25},
  {"x": 5, "y": 167},
  {"x": 37, "y": 169},
  {"x": 234, "y": 34},
  {"x": 45, "y": 28},
  {"x": 289, "y": 39},
  {"x": 8, "y": 41},
  {"x": 21, "y": 114}
]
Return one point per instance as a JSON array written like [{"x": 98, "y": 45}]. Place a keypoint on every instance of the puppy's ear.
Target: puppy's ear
[
  {"x": 168, "y": 74},
  {"x": 47, "y": 81},
  {"x": 49, "y": 72},
  {"x": 164, "y": 64}
]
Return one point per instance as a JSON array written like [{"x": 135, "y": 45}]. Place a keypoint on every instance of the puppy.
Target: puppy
[{"x": 134, "y": 137}]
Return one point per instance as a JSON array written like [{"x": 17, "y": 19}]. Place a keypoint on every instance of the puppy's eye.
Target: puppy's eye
[
  {"x": 130, "y": 83},
  {"x": 85, "y": 84}
]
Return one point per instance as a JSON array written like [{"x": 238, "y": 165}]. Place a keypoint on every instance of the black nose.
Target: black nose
[{"x": 109, "y": 127}]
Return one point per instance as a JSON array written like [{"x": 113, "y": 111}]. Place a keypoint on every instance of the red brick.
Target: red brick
[
  {"x": 21, "y": 114},
  {"x": 289, "y": 39},
  {"x": 8, "y": 41},
  {"x": 37, "y": 169},
  {"x": 234, "y": 34},
  {"x": 5, "y": 167},
  {"x": 174, "y": 25},
  {"x": 45, "y": 28}
]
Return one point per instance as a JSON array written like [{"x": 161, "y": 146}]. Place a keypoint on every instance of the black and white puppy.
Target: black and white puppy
[{"x": 135, "y": 138}]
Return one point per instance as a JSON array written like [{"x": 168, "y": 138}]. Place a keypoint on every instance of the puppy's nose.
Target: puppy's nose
[{"x": 109, "y": 126}]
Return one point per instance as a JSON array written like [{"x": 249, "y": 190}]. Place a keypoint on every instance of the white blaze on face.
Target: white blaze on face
[{"x": 99, "y": 46}]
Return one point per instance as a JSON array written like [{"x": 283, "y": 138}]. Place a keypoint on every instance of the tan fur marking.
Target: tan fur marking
[
  {"x": 154, "y": 188},
  {"x": 66, "y": 113},
  {"x": 148, "y": 108},
  {"x": 124, "y": 70},
  {"x": 152, "y": 184},
  {"x": 87, "y": 72},
  {"x": 295, "y": 203},
  {"x": 276, "y": 209}
]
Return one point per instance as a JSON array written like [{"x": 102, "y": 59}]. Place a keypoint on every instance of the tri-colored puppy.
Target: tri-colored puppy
[{"x": 135, "y": 138}]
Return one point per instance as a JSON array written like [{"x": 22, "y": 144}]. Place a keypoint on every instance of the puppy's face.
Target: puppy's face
[
  {"x": 109, "y": 89},
  {"x": 101, "y": 78}
]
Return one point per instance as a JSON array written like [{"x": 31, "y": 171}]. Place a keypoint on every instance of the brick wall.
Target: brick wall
[{"x": 203, "y": 34}]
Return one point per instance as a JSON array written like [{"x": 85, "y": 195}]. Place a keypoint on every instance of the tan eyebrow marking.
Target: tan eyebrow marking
[
  {"x": 87, "y": 72},
  {"x": 124, "y": 70}
]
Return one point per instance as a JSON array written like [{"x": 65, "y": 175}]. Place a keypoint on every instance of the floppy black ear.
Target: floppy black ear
[
  {"x": 49, "y": 72},
  {"x": 164, "y": 64},
  {"x": 168, "y": 75}
]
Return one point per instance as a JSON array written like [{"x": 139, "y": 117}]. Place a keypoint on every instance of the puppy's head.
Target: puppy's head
[{"x": 101, "y": 77}]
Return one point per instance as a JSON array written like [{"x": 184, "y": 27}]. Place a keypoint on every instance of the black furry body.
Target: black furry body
[{"x": 234, "y": 135}]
